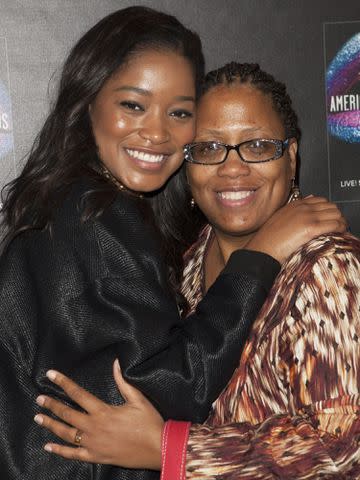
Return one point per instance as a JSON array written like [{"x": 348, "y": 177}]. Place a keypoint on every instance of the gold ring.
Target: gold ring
[{"x": 77, "y": 439}]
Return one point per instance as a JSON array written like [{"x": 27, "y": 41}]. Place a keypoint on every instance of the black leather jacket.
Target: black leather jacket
[{"x": 90, "y": 292}]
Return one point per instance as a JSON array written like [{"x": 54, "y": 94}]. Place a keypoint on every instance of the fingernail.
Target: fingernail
[
  {"x": 39, "y": 419},
  {"x": 51, "y": 374},
  {"x": 117, "y": 365},
  {"x": 40, "y": 400},
  {"x": 48, "y": 448}
]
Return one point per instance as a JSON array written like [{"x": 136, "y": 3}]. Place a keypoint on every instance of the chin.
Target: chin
[{"x": 145, "y": 186}]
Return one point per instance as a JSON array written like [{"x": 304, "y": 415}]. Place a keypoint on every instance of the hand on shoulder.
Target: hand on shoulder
[{"x": 295, "y": 224}]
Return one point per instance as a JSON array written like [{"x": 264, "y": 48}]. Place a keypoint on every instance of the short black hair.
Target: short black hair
[{"x": 252, "y": 74}]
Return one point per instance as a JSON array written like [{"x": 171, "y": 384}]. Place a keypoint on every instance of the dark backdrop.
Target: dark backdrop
[{"x": 284, "y": 36}]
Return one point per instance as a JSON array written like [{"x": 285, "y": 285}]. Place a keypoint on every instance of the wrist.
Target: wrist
[
  {"x": 156, "y": 449},
  {"x": 267, "y": 248}
]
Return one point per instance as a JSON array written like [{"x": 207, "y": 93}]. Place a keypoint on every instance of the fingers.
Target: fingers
[
  {"x": 79, "y": 395},
  {"x": 63, "y": 431},
  {"x": 329, "y": 226},
  {"x": 316, "y": 203},
  {"x": 322, "y": 211},
  {"x": 71, "y": 453},
  {"x": 65, "y": 413},
  {"x": 130, "y": 393},
  {"x": 312, "y": 199}
]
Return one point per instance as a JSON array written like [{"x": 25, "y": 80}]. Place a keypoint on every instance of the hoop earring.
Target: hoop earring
[
  {"x": 295, "y": 193},
  {"x": 192, "y": 203}
]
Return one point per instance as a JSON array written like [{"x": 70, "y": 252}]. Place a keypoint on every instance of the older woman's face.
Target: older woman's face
[
  {"x": 143, "y": 116},
  {"x": 237, "y": 197}
]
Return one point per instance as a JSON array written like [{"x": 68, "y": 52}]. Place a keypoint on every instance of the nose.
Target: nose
[
  {"x": 155, "y": 129},
  {"x": 233, "y": 166}
]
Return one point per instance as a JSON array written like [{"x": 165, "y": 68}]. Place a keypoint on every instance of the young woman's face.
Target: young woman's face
[
  {"x": 238, "y": 197},
  {"x": 142, "y": 117}
]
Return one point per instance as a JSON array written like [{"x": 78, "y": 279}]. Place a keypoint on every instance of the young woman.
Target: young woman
[
  {"x": 291, "y": 409},
  {"x": 82, "y": 276}
]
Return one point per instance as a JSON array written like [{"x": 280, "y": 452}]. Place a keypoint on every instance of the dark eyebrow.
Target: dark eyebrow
[
  {"x": 142, "y": 91},
  {"x": 211, "y": 131},
  {"x": 184, "y": 98}
]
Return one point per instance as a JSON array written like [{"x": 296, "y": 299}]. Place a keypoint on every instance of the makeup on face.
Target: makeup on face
[{"x": 142, "y": 117}]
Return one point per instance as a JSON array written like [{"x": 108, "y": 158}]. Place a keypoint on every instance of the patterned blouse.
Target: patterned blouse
[{"x": 292, "y": 407}]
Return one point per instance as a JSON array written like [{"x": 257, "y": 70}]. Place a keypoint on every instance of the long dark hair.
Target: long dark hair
[{"x": 65, "y": 149}]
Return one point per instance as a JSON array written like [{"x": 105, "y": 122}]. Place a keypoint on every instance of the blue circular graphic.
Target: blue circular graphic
[{"x": 342, "y": 77}]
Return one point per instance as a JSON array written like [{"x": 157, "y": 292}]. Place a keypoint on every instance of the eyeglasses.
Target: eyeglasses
[{"x": 258, "y": 150}]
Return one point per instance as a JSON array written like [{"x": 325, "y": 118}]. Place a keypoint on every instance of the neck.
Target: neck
[
  {"x": 227, "y": 244},
  {"x": 222, "y": 246}
]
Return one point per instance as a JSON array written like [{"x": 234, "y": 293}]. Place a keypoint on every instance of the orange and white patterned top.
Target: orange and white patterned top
[{"x": 292, "y": 407}]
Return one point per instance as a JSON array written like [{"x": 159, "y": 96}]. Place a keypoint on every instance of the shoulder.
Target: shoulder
[
  {"x": 334, "y": 244},
  {"x": 88, "y": 206},
  {"x": 336, "y": 253},
  {"x": 323, "y": 274}
]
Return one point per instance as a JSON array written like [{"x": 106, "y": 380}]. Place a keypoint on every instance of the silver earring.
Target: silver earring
[
  {"x": 295, "y": 193},
  {"x": 192, "y": 203}
]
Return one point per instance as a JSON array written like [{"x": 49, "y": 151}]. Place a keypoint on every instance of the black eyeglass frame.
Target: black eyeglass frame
[{"x": 281, "y": 146}]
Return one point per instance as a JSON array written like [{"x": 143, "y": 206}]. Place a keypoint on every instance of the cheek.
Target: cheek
[
  {"x": 278, "y": 192},
  {"x": 121, "y": 124},
  {"x": 278, "y": 178},
  {"x": 202, "y": 195},
  {"x": 108, "y": 124}
]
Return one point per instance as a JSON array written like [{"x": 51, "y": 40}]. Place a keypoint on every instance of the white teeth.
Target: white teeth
[
  {"x": 145, "y": 157},
  {"x": 235, "y": 195}
]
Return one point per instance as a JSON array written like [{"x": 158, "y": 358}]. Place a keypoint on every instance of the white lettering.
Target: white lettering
[
  {"x": 332, "y": 104},
  {"x": 339, "y": 103},
  {"x": 4, "y": 121},
  {"x": 349, "y": 183},
  {"x": 344, "y": 103}
]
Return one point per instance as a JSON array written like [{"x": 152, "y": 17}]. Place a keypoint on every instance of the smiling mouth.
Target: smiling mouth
[
  {"x": 235, "y": 196},
  {"x": 145, "y": 156}
]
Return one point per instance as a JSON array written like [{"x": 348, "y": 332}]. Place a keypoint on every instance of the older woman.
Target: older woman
[
  {"x": 295, "y": 391},
  {"x": 86, "y": 271}
]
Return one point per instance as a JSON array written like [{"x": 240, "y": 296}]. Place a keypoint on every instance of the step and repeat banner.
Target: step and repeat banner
[
  {"x": 7, "y": 157},
  {"x": 314, "y": 47},
  {"x": 342, "y": 60}
]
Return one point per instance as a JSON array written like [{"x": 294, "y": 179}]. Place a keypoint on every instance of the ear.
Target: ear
[{"x": 293, "y": 149}]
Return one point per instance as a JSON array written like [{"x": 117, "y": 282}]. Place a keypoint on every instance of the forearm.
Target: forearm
[
  {"x": 282, "y": 446},
  {"x": 198, "y": 356},
  {"x": 128, "y": 312}
]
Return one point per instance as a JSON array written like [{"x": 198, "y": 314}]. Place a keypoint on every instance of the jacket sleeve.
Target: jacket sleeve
[
  {"x": 21, "y": 440},
  {"x": 165, "y": 357},
  {"x": 314, "y": 429},
  {"x": 282, "y": 446},
  {"x": 91, "y": 292}
]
